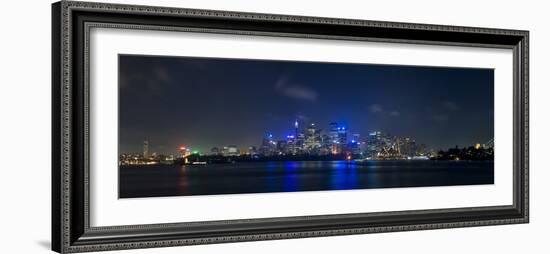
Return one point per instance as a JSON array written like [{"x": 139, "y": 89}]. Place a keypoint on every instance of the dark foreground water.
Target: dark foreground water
[{"x": 258, "y": 177}]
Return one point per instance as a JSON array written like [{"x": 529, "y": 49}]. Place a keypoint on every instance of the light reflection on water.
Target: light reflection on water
[
  {"x": 291, "y": 176},
  {"x": 342, "y": 174}
]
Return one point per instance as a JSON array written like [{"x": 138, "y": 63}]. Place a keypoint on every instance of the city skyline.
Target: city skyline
[
  {"x": 337, "y": 134},
  {"x": 211, "y": 102}
]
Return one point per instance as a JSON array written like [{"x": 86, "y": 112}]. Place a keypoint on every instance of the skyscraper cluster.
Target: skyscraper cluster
[{"x": 312, "y": 140}]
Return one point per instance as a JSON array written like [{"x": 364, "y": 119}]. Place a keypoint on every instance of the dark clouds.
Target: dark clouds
[{"x": 295, "y": 91}]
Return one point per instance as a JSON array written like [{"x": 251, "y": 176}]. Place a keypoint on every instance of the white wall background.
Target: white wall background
[{"x": 25, "y": 126}]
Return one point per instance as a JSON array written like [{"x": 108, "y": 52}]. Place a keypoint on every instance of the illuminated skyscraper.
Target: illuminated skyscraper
[
  {"x": 342, "y": 135},
  {"x": 326, "y": 144},
  {"x": 333, "y": 133},
  {"x": 296, "y": 128},
  {"x": 356, "y": 137},
  {"x": 282, "y": 147},
  {"x": 338, "y": 138},
  {"x": 312, "y": 140},
  {"x": 145, "y": 149},
  {"x": 355, "y": 144},
  {"x": 376, "y": 142},
  {"x": 294, "y": 139},
  {"x": 268, "y": 145},
  {"x": 408, "y": 147}
]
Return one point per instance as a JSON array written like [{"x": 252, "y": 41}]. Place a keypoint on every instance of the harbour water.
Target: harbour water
[{"x": 292, "y": 176}]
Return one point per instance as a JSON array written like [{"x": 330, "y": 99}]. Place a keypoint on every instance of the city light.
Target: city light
[{"x": 313, "y": 143}]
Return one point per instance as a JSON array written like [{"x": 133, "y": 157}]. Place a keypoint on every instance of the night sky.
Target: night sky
[{"x": 208, "y": 102}]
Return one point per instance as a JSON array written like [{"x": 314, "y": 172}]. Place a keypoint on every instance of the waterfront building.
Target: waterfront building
[
  {"x": 252, "y": 150},
  {"x": 422, "y": 150},
  {"x": 408, "y": 147},
  {"x": 215, "y": 151},
  {"x": 184, "y": 151},
  {"x": 231, "y": 150},
  {"x": 377, "y": 142}
]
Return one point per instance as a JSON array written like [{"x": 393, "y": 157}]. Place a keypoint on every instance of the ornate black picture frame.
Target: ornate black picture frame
[{"x": 71, "y": 230}]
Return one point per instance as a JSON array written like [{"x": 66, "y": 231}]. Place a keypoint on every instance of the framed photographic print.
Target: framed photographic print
[{"x": 181, "y": 126}]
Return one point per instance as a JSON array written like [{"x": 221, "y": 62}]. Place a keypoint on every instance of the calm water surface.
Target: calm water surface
[{"x": 260, "y": 177}]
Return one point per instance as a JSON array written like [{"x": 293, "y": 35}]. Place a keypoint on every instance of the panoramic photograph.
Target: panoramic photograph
[{"x": 208, "y": 126}]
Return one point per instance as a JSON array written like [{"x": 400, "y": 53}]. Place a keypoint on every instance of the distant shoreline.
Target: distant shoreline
[{"x": 199, "y": 164}]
